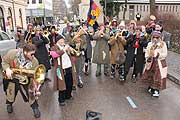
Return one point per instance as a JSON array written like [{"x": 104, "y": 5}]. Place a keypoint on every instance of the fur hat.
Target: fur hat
[
  {"x": 122, "y": 23},
  {"x": 59, "y": 37}
]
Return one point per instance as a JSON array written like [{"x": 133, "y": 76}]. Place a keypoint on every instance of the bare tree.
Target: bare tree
[
  {"x": 152, "y": 7},
  {"x": 125, "y": 9}
]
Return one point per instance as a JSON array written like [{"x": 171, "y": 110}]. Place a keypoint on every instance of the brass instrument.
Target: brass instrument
[
  {"x": 80, "y": 33},
  {"x": 33, "y": 31},
  {"x": 45, "y": 33},
  {"x": 101, "y": 33},
  {"x": 75, "y": 52},
  {"x": 22, "y": 74},
  {"x": 28, "y": 37}
]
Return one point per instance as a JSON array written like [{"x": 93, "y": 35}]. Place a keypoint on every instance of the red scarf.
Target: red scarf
[{"x": 136, "y": 45}]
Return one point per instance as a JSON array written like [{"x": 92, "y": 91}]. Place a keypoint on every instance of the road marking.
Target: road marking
[{"x": 133, "y": 105}]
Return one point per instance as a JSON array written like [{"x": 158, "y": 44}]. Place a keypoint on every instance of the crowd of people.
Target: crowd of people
[{"x": 118, "y": 47}]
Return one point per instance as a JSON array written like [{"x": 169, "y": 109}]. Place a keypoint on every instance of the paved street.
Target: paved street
[{"x": 101, "y": 95}]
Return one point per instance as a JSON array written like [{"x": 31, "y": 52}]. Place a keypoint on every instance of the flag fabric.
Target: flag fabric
[{"x": 93, "y": 13}]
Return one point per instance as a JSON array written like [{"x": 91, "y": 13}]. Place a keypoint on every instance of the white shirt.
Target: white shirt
[{"x": 66, "y": 62}]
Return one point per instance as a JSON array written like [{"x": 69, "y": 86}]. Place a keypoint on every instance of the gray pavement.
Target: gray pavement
[
  {"x": 173, "y": 61},
  {"x": 102, "y": 95}
]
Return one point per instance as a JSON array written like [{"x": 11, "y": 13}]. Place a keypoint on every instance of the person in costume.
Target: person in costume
[
  {"x": 155, "y": 71},
  {"x": 20, "y": 59}
]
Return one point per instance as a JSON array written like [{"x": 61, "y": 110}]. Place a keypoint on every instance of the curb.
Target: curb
[{"x": 173, "y": 79}]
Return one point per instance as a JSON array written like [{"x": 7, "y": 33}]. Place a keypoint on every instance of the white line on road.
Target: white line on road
[{"x": 133, "y": 105}]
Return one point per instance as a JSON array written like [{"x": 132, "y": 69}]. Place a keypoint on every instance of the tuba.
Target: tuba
[{"x": 23, "y": 74}]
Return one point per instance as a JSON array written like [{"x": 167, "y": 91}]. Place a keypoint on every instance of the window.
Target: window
[
  {"x": 166, "y": 8},
  {"x": 144, "y": 8},
  {"x": 157, "y": 8},
  {"x": 20, "y": 18},
  {"x": 131, "y": 7},
  {"x": 170, "y": 8},
  {"x": 2, "y": 23},
  {"x": 33, "y": 1},
  {"x": 173, "y": 8},
  {"x": 176, "y": 8},
  {"x": 140, "y": 8},
  {"x": 10, "y": 19},
  {"x": 137, "y": 8},
  {"x": 147, "y": 8},
  {"x": 40, "y": 1},
  {"x": 161, "y": 8}
]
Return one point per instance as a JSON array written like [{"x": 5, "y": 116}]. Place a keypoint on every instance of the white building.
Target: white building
[
  {"x": 12, "y": 14},
  {"x": 143, "y": 7},
  {"x": 84, "y": 8},
  {"x": 39, "y": 11},
  {"x": 136, "y": 6}
]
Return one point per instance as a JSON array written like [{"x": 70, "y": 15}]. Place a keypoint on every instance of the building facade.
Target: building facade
[
  {"x": 59, "y": 9},
  {"x": 39, "y": 11},
  {"x": 12, "y": 14},
  {"x": 143, "y": 8}
]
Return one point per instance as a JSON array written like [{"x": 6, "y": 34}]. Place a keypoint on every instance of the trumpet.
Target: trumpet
[
  {"x": 45, "y": 33},
  {"x": 28, "y": 37},
  {"x": 101, "y": 33},
  {"x": 74, "y": 52}
]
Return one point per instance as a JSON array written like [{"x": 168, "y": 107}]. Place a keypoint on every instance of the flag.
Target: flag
[{"x": 93, "y": 13}]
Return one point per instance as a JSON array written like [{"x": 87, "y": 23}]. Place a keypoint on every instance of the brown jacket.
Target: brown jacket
[
  {"x": 59, "y": 84},
  {"x": 116, "y": 45}
]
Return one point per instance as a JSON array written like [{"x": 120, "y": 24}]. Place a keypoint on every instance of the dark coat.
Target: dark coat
[
  {"x": 52, "y": 40},
  {"x": 101, "y": 49},
  {"x": 59, "y": 84},
  {"x": 88, "y": 50},
  {"x": 130, "y": 56},
  {"x": 42, "y": 53}
]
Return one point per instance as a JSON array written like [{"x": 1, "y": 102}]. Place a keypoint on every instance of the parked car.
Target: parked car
[{"x": 6, "y": 43}]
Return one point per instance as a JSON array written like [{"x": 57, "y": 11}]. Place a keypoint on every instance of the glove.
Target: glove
[{"x": 82, "y": 52}]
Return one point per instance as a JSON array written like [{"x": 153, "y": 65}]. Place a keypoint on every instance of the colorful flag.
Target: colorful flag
[{"x": 93, "y": 13}]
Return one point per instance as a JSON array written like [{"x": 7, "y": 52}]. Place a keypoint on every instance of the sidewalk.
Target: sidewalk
[{"x": 173, "y": 62}]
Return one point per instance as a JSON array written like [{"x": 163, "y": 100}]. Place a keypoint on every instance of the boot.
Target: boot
[
  {"x": 80, "y": 84},
  {"x": 86, "y": 70},
  {"x": 9, "y": 108}
]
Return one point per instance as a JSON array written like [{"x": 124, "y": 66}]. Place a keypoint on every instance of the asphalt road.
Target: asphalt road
[{"x": 104, "y": 95}]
